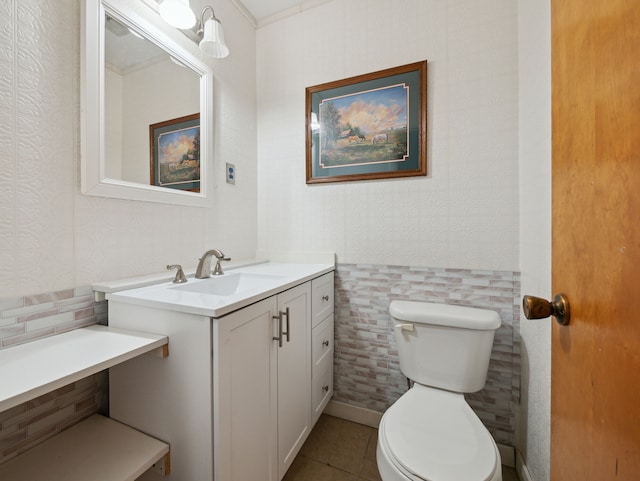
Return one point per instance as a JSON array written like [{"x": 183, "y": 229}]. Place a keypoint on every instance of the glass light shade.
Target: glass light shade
[
  {"x": 212, "y": 43},
  {"x": 177, "y": 13}
]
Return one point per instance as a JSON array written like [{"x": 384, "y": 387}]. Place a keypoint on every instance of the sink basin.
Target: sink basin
[{"x": 230, "y": 284}]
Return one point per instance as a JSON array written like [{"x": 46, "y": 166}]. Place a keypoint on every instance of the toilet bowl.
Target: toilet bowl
[
  {"x": 430, "y": 433},
  {"x": 433, "y": 435}
]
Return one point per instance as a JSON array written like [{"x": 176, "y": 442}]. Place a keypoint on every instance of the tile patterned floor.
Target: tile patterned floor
[{"x": 339, "y": 450}]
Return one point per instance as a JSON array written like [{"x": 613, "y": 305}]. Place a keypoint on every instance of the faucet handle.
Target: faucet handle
[
  {"x": 217, "y": 270},
  {"x": 220, "y": 255},
  {"x": 180, "y": 277}
]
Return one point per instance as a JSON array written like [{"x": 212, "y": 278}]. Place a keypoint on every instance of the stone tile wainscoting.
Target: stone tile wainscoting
[
  {"x": 29, "y": 318},
  {"x": 367, "y": 373}
]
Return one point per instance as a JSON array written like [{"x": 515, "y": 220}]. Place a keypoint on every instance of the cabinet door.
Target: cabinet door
[
  {"x": 294, "y": 375},
  {"x": 245, "y": 385}
]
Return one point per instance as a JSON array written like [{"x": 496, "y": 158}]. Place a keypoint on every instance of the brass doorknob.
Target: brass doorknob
[{"x": 538, "y": 308}]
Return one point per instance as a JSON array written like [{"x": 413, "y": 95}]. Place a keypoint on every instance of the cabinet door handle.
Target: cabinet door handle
[
  {"x": 288, "y": 333},
  {"x": 325, "y": 297},
  {"x": 325, "y": 343},
  {"x": 325, "y": 388},
  {"x": 281, "y": 333},
  {"x": 279, "y": 336}
]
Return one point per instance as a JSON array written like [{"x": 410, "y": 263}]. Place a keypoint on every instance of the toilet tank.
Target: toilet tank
[{"x": 444, "y": 346}]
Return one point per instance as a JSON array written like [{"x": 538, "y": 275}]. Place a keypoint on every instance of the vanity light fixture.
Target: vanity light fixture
[
  {"x": 177, "y": 13},
  {"x": 212, "y": 43},
  {"x": 208, "y": 33}
]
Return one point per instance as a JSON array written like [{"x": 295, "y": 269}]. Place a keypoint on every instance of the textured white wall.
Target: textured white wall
[
  {"x": 465, "y": 213},
  {"x": 535, "y": 230},
  {"x": 51, "y": 236}
]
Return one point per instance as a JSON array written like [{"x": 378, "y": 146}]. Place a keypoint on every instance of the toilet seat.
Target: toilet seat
[{"x": 433, "y": 435}]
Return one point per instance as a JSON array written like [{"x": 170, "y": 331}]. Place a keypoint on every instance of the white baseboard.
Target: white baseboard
[
  {"x": 356, "y": 414},
  {"x": 371, "y": 418},
  {"x": 507, "y": 455},
  {"x": 521, "y": 468}
]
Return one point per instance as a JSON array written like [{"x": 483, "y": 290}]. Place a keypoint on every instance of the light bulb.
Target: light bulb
[{"x": 177, "y": 13}]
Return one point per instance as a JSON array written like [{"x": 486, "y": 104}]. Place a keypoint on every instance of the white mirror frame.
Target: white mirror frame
[{"x": 93, "y": 178}]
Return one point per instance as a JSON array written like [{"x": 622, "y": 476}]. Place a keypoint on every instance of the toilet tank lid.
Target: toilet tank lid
[{"x": 445, "y": 315}]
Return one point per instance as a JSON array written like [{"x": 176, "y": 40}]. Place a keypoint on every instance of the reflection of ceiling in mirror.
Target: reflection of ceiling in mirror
[{"x": 126, "y": 52}]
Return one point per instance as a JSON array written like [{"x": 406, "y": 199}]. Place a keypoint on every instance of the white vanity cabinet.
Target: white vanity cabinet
[
  {"x": 234, "y": 402},
  {"x": 264, "y": 386}
]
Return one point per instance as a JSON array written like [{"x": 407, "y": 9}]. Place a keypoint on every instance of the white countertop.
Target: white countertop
[{"x": 169, "y": 296}]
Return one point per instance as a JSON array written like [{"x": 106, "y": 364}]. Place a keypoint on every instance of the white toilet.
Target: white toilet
[{"x": 431, "y": 433}]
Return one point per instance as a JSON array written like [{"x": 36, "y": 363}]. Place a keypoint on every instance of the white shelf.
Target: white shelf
[
  {"x": 41, "y": 366},
  {"x": 97, "y": 449}
]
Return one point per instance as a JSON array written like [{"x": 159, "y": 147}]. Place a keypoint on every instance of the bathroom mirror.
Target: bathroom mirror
[{"x": 146, "y": 108}]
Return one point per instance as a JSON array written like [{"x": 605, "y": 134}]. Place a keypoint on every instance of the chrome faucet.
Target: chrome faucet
[{"x": 204, "y": 266}]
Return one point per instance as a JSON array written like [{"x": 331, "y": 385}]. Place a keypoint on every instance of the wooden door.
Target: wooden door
[{"x": 595, "y": 380}]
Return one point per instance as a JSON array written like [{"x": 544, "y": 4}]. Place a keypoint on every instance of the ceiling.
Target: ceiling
[{"x": 261, "y": 9}]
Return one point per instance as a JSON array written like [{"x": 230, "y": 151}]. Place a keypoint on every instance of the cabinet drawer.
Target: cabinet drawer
[
  {"x": 322, "y": 341},
  {"x": 322, "y": 389},
  {"x": 321, "y": 297}
]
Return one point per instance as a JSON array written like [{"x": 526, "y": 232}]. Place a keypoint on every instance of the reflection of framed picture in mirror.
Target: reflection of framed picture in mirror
[{"x": 175, "y": 153}]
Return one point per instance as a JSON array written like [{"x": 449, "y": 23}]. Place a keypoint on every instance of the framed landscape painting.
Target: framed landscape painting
[
  {"x": 175, "y": 153},
  {"x": 372, "y": 126}
]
